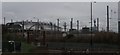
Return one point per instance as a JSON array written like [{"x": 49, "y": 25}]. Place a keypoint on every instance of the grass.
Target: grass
[{"x": 26, "y": 48}]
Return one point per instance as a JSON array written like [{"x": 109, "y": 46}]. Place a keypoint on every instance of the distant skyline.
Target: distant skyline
[{"x": 51, "y": 11}]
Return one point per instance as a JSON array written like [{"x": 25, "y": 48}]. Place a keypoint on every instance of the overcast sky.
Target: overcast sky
[
  {"x": 50, "y": 11},
  {"x": 59, "y": 0}
]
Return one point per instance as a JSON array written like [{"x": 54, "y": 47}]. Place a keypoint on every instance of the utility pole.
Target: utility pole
[
  {"x": 58, "y": 24},
  {"x": 71, "y": 24},
  {"x": 107, "y": 18}
]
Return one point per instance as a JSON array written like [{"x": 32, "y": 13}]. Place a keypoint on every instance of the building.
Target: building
[
  {"x": 94, "y": 29},
  {"x": 29, "y": 25},
  {"x": 32, "y": 31},
  {"x": 86, "y": 30}
]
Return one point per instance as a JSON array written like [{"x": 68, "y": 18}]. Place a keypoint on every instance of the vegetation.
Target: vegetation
[
  {"x": 11, "y": 35},
  {"x": 99, "y": 37},
  {"x": 26, "y": 48}
]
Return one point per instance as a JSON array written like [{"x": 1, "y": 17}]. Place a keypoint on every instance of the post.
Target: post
[
  {"x": 78, "y": 28},
  {"x": 71, "y": 24},
  {"x": 54, "y": 27},
  {"x": 4, "y": 20},
  {"x": 78, "y": 25},
  {"x": 94, "y": 23},
  {"x": 58, "y": 24},
  {"x": 38, "y": 28},
  {"x": 51, "y": 25},
  {"x": 37, "y": 31},
  {"x": 23, "y": 28},
  {"x": 28, "y": 36},
  {"x": 65, "y": 26},
  {"x": 98, "y": 24},
  {"x": 44, "y": 37},
  {"x": 14, "y": 32},
  {"x": 91, "y": 25},
  {"x": 107, "y": 18},
  {"x": 38, "y": 24},
  {"x": 119, "y": 27}
]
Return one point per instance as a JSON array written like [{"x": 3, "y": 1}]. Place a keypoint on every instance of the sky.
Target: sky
[
  {"x": 50, "y": 11},
  {"x": 59, "y": 0}
]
